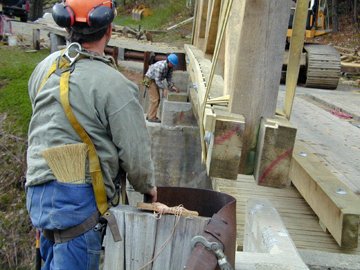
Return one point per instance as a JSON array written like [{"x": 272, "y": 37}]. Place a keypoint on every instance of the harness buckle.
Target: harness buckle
[
  {"x": 67, "y": 59},
  {"x": 69, "y": 52}
]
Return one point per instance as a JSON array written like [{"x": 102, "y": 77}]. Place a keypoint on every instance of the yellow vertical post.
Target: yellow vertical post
[{"x": 296, "y": 47}]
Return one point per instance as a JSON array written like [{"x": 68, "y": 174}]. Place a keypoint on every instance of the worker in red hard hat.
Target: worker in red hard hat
[
  {"x": 154, "y": 78},
  {"x": 84, "y": 112}
]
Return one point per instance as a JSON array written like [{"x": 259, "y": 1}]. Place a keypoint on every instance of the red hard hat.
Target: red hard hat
[
  {"x": 82, "y": 8},
  {"x": 95, "y": 13}
]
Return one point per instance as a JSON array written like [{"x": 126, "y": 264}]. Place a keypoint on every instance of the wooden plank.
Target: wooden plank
[
  {"x": 139, "y": 239},
  {"x": 230, "y": 42},
  {"x": 212, "y": 26},
  {"x": 36, "y": 39},
  {"x": 199, "y": 69},
  {"x": 209, "y": 119},
  {"x": 274, "y": 151},
  {"x": 115, "y": 259},
  {"x": 258, "y": 56},
  {"x": 200, "y": 21},
  {"x": 197, "y": 91},
  {"x": 149, "y": 241},
  {"x": 173, "y": 240},
  {"x": 334, "y": 203},
  {"x": 163, "y": 243},
  {"x": 335, "y": 140},
  {"x": 303, "y": 225}
]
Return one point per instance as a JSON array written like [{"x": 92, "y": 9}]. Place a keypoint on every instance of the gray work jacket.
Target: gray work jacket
[{"x": 106, "y": 105}]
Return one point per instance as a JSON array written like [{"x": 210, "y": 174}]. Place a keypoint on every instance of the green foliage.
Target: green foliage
[{"x": 15, "y": 70}]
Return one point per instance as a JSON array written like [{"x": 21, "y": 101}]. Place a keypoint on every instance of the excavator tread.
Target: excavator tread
[{"x": 323, "y": 66}]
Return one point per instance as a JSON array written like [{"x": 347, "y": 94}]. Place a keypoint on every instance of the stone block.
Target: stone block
[
  {"x": 177, "y": 114},
  {"x": 176, "y": 153},
  {"x": 179, "y": 97}
]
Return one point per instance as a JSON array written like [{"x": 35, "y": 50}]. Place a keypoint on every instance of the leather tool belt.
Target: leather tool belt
[{"x": 62, "y": 236}]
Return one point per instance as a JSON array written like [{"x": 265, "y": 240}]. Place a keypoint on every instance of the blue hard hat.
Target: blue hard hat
[{"x": 173, "y": 59}]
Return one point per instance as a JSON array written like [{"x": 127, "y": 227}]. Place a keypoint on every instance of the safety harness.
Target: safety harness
[{"x": 63, "y": 66}]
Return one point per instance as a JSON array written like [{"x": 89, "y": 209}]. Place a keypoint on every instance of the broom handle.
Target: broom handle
[{"x": 37, "y": 248}]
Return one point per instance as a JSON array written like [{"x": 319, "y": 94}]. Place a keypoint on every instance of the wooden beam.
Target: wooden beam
[
  {"x": 36, "y": 39},
  {"x": 200, "y": 22},
  {"x": 274, "y": 151},
  {"x": 265, "y": 232},
  {"x": 230, "y": 42},
  {"x": 212, "y": 26},
  {"x": 209, "y": 119},
  {"x": 337, "y": 207},
  {"x": 257, "y": 53},
  {"x": 199, "y": 68},
  {"x": 224, "y": 146}
]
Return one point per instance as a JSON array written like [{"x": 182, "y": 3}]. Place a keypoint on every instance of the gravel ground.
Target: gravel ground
[{"x": 24, "y": 33}]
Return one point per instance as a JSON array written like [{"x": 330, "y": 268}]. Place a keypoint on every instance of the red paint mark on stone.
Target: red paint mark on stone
[
  {"x": 273, "y": 164},
  {"x": 226, "y": 136},
  {"x": 181, "y": 116}
]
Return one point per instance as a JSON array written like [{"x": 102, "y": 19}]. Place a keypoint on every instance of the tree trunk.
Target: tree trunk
[
  {"x": 335, "y": 23},
  {"x": 36, "y": 10},
  {"x": 355, "y": 19}
]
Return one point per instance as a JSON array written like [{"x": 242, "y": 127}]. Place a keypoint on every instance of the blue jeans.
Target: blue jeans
[{"x": 56, "y": 205}]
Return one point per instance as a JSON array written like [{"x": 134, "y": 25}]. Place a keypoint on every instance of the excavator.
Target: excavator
[{"x": 320, "y": 65}]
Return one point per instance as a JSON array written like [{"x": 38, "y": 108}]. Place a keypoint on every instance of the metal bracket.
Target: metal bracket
[{"x": 215, "y": 247}]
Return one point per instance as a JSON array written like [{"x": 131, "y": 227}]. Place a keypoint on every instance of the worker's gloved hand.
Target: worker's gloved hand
[
  {"x": 151, "y": 195},
  {"x": 174, "y": 89},
  {"x": 146, "y": 83}
]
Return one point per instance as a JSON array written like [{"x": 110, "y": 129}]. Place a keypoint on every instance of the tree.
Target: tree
[
  {"x": 355, "y": 19},
  {"x": 36, "y": 9},
  {"x": 335, "y": 23}
]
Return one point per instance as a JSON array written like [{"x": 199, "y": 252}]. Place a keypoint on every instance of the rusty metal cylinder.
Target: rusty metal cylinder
[{"x": 221, "y": 228}]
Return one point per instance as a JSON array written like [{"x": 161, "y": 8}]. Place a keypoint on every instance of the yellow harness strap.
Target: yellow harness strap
[
  {"x": 94, "y": 164},
  {"x": 52, "y": 69}
]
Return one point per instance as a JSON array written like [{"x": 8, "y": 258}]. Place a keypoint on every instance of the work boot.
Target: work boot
[{"x": 154, "y": 120}]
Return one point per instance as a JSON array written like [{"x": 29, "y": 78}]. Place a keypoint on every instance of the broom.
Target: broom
[{"x": 67, "y": 162}]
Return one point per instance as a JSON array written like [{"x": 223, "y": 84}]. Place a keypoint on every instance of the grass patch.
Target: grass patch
[
  {"x": 16, "y": 232},
  {"x": 163, "y": 15},
  {"x": 15, "y": 70}
]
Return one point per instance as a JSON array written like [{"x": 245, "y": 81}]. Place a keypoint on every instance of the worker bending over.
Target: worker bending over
[
  {"x": 154, "y": 77},
  {"x": 80, "y": 101}
]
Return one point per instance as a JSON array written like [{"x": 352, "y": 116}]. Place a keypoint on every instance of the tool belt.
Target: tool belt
[{"x": 61, "y": 236}]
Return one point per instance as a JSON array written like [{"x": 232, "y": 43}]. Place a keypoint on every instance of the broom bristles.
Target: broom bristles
[{"x": 67, "y": 162}]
